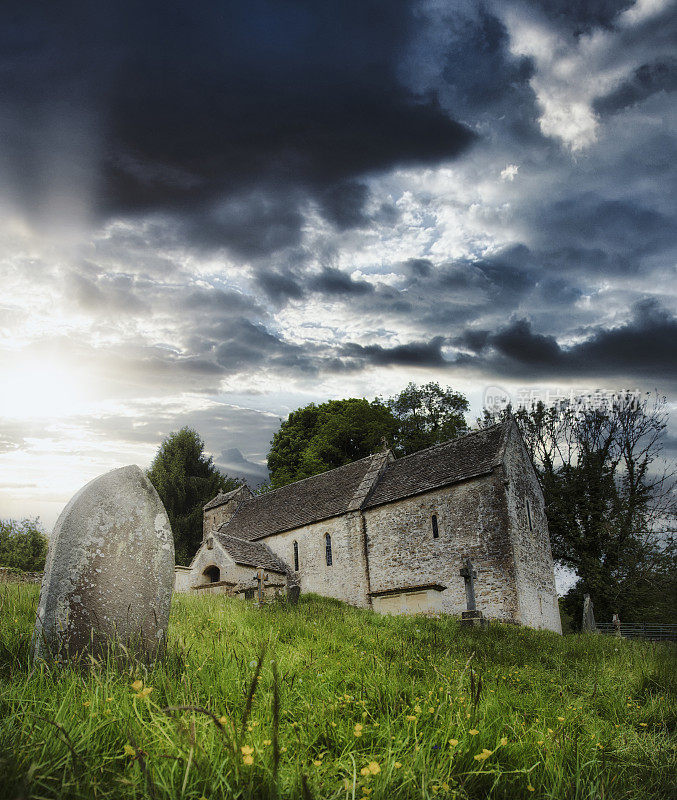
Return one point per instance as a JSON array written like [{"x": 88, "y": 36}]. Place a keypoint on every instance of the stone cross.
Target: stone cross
[
  {"x": 469, "y": 574},
  {"x": 261, "y": 577}
]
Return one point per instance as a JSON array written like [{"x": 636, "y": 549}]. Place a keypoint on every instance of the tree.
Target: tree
[
  {"x": 427, "y": 415},
  {"x": 609, "y": 502},
  {"x": 316, "y": 438},
  {"x": 186, "y": 479},
  {"x": 23, "y": 544}
]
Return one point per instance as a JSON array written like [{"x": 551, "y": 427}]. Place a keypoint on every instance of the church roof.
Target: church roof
[
  {"x": 251, "y": 554},
  {"x": 310, "y": 500},
  {"x": 220, "y": 499},
  {"x": 368, "y": 482},
  {"x": 474, "y": 454}
]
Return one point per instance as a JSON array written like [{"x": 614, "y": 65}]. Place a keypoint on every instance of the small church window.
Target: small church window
[
  {"x": 296, "y": 556},
  {"x": 327, "y": 544},
  {"x": 436, "y": 530},
  {"x": 529, "y": 515}
]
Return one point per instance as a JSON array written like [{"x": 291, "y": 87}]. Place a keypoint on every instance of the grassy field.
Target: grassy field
[{"x": 362, "y": 706}]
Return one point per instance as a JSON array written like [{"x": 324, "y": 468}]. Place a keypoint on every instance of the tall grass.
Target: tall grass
[{"x": 327, "y": 701}]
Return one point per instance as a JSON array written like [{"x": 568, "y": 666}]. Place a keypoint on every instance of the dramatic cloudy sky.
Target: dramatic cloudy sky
[{"x": 213, "y": 212}]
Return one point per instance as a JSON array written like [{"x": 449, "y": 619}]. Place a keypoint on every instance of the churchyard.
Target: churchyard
[{"x": 344, "y": 704}]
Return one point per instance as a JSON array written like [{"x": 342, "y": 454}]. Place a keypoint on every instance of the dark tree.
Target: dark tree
[
  {"x": 23, "y": 544},
  {"x": 610, "y": 501},
  {"x": 316, "y": 438},
  {"x": 186, "y": 479},
  {"x": 427, "y": 415}
]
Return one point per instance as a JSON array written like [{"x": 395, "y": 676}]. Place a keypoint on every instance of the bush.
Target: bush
[{"x": 23, "y": 544}]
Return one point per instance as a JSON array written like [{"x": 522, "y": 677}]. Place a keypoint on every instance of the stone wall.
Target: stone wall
[
  {"x": 534, "y": 569},
  {"x": 346, "y": 578},
  {"x": 8, "y": 575},
  {"x": 472, "y": 523}
]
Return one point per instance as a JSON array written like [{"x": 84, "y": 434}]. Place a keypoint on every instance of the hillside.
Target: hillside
[{"x": 369, "y": 706}]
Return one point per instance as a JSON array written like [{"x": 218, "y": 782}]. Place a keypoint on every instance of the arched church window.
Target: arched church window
[
  {"x": 296, "y": 556},
  {"x": 436, "y": 530},
  {"x": 529, "y": 515},
  {"x": 327, "y": 546}
]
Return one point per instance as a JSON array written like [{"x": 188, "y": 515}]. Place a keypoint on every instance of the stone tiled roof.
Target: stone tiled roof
[
  {"x": 368, "y": 482},
  {"x": 220, "y": 499},
  {"x": 468, "y": 456},
  {"x": 252, "y": 554},
  {"x": 311, "y": 500}
]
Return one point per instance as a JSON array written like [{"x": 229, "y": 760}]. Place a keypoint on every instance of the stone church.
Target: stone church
[{"x": 393, "y": 534}]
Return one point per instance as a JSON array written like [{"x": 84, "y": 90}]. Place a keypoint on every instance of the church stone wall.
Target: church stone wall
[
  {"x": 534, "y": 569},
  {"x": 213, "y": 517},
  {"x": 346, "y": 578},
  {"x": 472, "y": 522}
]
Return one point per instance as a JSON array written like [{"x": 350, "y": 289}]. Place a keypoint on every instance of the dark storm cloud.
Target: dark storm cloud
[
  {"x": 642, "y": 348},
  {"x": 188, "y": 104},
  {"x": 417, "y": 354},
  {"x": 646, "y": 80},
  {"x": 279, "y": 286},
  {"x": 334, "y": 282},
  {"x": 582, "y": 15}
]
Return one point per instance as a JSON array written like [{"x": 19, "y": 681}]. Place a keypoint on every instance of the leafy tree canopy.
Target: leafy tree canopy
[
  {"x": 316, "y": 438},
  {"x": 427, "y": 415},
  {"x": 23, "y": 544},
  {"x": 186, "y": 479}
]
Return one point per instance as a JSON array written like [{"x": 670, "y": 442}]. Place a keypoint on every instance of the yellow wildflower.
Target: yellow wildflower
[
  {"x": 411, "y": 717},
  {"x": 453, "y": 742},
  {"x": 473, "y": 731},
  {"x": 397, "y": 765},
  {"x": 504, "y": 741},
  {"x": 223, "y": 720},
  {"x": 364, "y": 771},
  {"x": 109, "y": 699},
  {"x": 248, "y": 760},
  {"x": 374, "y": 767},
  {"x": 137, "y": 685},
  {"x": 357, "y": 732},
  {"x": 484, "y": 755},
  {"x": 561, "y": 719},
  {"x": 431, "y": 710},
  {"x": 317, "y": 762},
  {"x": 644, "y": 724},
  {"x": 531, "y": 788},
  {"x": 417, "y": 709},
  {"x": 144, "y": 692},
  {"x": 129, "y": 750},
  {"x": 333, "y": 724},
  {"x": 550, "y": 730},
  {"x": 540, "y": 741},
  {"x": 364, "y": 714},
  {"x": 246, "y": 750}
]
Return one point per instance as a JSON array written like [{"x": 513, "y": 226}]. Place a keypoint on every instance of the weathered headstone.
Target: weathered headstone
[
  {"x": 109, "y": 573},
  {"x": 588, "y": 624},
  {"x": 293, "y": 593},
  {"x": 471, "y": 616}
]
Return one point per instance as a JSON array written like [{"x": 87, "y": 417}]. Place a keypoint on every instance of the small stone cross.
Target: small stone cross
[
  {"x": 469, "y": 574},
  {"x": 261, "y": 577}
]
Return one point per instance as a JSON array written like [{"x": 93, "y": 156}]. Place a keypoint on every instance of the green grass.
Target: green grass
[{"x": 562, "y": 717}]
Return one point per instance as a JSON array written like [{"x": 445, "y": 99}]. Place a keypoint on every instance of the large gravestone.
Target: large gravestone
[{"x": 109, "y": 573}]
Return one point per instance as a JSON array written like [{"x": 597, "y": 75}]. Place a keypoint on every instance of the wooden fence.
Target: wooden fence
[{"x": 656, "y": 632}]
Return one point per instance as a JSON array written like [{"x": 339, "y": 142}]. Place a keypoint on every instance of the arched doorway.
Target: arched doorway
[{"x": 212, "y": 574}]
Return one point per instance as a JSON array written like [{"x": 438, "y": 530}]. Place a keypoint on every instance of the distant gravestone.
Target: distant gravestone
[
  {"x": 588, "y": 624},
  {"x": 293, "y": 594},
  {"x": 471, "y": 616},
  {"x": 109, "y": 573}
]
